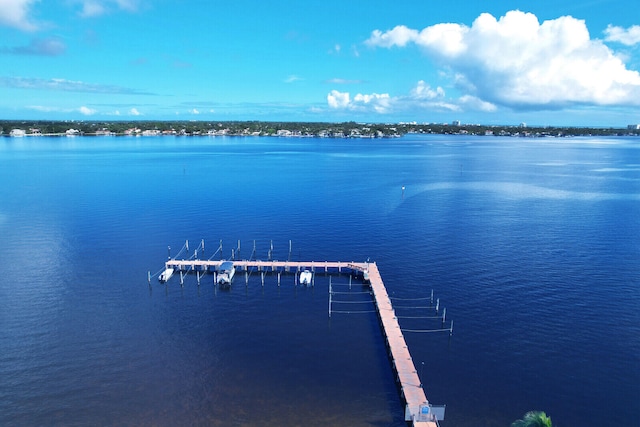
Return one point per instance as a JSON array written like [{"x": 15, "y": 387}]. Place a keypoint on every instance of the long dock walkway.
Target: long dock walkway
[
  {"x": 417, "y": 408},
  {"x": 408, "y": 379},
  {"x": 196, "y": 264}
]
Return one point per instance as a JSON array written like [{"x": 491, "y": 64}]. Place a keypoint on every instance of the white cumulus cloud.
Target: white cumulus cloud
[
  {"x": 424, "y": 91},
  {"x": 134, "y": 112},
  {"x": 86, "y": 111},
  {"x": 518, "y": 62},
  {"x": 15, "y": 13},
  {"x": 375, "y": 102},
  {"x": 629, "y": 36},
  {"x": 379, "y": 102},
  {"x": 422, "y": 97},
  {"x": 337, "y": 99}
]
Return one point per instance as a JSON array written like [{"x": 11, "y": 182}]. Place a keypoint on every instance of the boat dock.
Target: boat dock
[{"x": 417, "y": 409}]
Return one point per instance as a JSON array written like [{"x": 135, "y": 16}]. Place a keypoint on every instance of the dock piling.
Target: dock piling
[{"x": 330, "y": 297}]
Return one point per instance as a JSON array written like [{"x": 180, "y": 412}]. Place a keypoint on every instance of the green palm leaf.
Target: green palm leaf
[{"x": 533, "y": 419}]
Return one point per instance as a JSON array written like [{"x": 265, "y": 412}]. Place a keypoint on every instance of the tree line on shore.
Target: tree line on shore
[{"x": 260, "y": 128}]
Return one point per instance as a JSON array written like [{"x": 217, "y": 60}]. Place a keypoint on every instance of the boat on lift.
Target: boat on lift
[
  {"x": 165, "y": 275},
  {"x": 226, "y": 271},
  {"x": 306, "y": 277}
]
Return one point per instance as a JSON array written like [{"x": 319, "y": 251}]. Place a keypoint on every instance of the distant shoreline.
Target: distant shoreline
[{"x": 26, "y": 128}]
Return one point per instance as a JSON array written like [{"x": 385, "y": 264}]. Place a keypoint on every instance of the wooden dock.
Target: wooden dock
[{"x": 417, "y": 409}]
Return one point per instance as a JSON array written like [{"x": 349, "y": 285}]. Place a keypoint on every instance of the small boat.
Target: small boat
[
  {"x": 305, "y": 277},
  {"x": 226, "y": 271},
  {"x": 165, "y": 275}
]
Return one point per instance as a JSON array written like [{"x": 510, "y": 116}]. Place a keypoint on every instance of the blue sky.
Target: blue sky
[{"x": 501, "y": 62}]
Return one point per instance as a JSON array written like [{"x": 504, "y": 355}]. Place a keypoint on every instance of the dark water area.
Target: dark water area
[{"x": 532, "y": 245}]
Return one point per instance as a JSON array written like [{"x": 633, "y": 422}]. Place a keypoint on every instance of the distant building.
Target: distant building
[
  {"x": 522, "y": 125},
  {"x": 455, "y": 123},
  {"x": 633, "y": 127},
  {"x": 17, "y": 132}
]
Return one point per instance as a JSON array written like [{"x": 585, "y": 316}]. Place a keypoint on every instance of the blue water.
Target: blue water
[{"x": 532, "y": 245}]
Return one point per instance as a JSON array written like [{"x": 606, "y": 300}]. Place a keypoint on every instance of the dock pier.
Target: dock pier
[{"x": 418, "y": 411}]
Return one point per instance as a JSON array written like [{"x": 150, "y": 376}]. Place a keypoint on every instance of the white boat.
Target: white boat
[
  {"x": 305, "y": 277},
  {"x": 226, "y": 271},
  {"x": 165, "y": 275}
]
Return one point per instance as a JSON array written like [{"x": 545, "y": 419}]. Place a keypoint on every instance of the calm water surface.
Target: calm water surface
[{"x": 532, "y": 245}]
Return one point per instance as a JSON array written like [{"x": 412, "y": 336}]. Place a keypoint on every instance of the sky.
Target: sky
[{"x": 540, "y": 62}]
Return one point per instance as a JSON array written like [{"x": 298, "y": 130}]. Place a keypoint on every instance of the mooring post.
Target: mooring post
[
  {"x": 350, "y": 281},
  {"x": 215, "y": 277},
  {"x": 437, "y": 305},
  {"x": 198, "y": 276},
  {"x": 278, "y": 279},
  {"x": 431, "y": 303},
  {"x": 451, "y": 329},
  {"x": 444, "y": 315},
  {"x": 186, "y": 243},
  {"x": 181, "y": 278},
  {"x": 195, "y": 254},
  {"x": 246, "y": 278},
  {"x": 202, "y": 245},
  {"x": 149, "y": 277},
  {"x": 329, "y": 297},
  {"x": 262, "y": 274}
]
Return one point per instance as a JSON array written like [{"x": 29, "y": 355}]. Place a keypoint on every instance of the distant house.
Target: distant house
[
  {"x": 633, "y": 127},
  {"x": 72, "y": 132},
  {"x": 104, "y": 132},
  {"x": 17, "y": 132}
]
